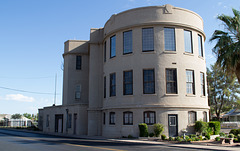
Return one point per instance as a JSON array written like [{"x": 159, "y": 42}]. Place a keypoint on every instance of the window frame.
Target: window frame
[
  {"x": 111, "y": 46},
  {"x": 129, "y": 118},
  {"x": 127, "y": 83},
  {"x": 78, "y": 92},
  {"x": 78, "y": 62},
  {"x": 104, "y": 87},
  {"x": 69, "y": 122},
  {"x": 191, "y": 121},
  {"x": 202, "y": 82},
  {"x": 200, "y": 46},
  {"x": 174, "y": 37},
  {"x": 205, "y": 119},
  {"x": 145, "y": 82},
  {"x": 176, "y": 88},
  {"x": 112, "y": 85},
  {"x": 125, "y": 42},
  {"x": 112, "y": 118},
  {"x": 148, "y": 116},
  {"x": 105, "y": 51},
  {"x": 189, "y": 82},
  {"x": 143, "y": 40},
  {"x": 191, "y": 42}
]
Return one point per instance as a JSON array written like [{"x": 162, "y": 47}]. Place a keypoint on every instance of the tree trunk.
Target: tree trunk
[{"x": 237, "y": 72}]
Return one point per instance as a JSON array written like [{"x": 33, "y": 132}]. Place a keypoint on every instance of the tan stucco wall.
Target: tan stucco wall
[{"x": 92, "y": 104}]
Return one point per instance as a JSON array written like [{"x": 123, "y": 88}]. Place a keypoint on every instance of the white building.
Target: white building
[{"x": 147, "y": 65}]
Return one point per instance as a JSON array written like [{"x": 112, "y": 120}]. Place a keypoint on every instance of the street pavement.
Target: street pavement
[{"x": 15, "y": 140}]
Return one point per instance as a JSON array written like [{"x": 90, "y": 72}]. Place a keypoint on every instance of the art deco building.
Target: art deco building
[{"x": 147, "y": 65}]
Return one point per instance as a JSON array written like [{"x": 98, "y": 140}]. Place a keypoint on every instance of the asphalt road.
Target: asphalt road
[{"x": 25, "y": 141}]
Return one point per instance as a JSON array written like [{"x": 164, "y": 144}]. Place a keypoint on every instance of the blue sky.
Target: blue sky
[{"x": 32, "y": 36}]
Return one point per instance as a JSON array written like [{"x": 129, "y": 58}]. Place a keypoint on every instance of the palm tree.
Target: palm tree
[{"x": 227, "y": 48}]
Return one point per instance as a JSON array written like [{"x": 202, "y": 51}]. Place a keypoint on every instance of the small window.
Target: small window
[
  {"x": 169, "y": 39},
  {"x": 149, "y": 117},
  {"x": 47, "y": 121},
  {"x": 192, "y": 117},
  {"x": 104, "y": 89},
  {"x": 113, "y": 46},
  {"x": 105, "y": 51},
  {"x": 188, "y": 41},
  {"x": 112, "y": 118},
  {"x": 200, "y": 48},
  {"x": 78, "y": 62},
  {"x": 112, "y": 84},
  {"x": 128, "y": 118},
  {"x": 127, "y": 82},
  {"x": 147, "y": 39},
  {"x": 127, "y": 42},
  {"x": 204, "y": 116},
  {"x": 104, "y": 118},
  {"x": 148, "y": 81},
  {"x": 190, "y": 82},
  {"x": 78, "y": 92},
  {"x": 171, "y": 81},
  {"x": 202, "y": 78},
  {"x": 69, "y": 124}
]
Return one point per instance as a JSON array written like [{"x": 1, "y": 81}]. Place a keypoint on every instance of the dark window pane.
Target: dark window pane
[
  {"x": 127, "y": 42},
  {"x": 148, "y": 81},
  {"x": 112, "y": 46},
  {"x": 78, "y": 62},
  {"x": 127, "y": 82},
  {"x": 188, "y": 41},
  {"x": 149, "y": 117},
  {"x": 169, "y": 39},
  {"x": 171, "y": 81},
  {"x": 200, "y": 49},
  {"x": 105, "y": 51},
  {"x": 112, "y": 84},
  {"x": 147, "y": 39}
]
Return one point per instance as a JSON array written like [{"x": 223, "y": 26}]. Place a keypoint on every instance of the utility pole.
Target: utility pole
[{"x": 55, "y": 93}]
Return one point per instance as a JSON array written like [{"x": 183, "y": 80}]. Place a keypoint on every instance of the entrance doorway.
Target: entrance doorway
[
  {"x": 59, "y": 123},
  {"x": 173, "y": 125},
  {"x": 75, "y": 124}
]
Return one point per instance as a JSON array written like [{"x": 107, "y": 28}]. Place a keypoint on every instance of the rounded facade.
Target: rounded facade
[{"x": 154, "y": 71}]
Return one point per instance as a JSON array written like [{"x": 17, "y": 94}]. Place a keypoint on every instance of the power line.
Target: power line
[{"x": 18, "y": 90}]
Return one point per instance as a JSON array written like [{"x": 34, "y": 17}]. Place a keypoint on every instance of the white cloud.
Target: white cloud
[
  {"x": 219, "y": 3},
  {"x": 18, "y": 97}
]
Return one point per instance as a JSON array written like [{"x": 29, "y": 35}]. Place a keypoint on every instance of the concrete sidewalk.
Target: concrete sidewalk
[{"x": 191, "y": 145}]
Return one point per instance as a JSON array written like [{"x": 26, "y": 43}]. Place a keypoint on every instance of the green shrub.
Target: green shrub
[
  {"x": 200, "y": 126},
  {"x": 192, "y": 135},
  {"x": 187, "y": 137},
  {"x": 197, "y": 139},
  {"x": 158, "y": 129},
  {"x": 151, "y": 134},
  {"x": 231, "y": 135},
  {"x": 170, "y": 138},
  {"x": 238, "y": 137},
  {"x": 238, "y": 131},
  {"x": 217, "y": 139},
  {"x": 143, "y": 128},
  {"x": 222, "y": 134},
  {"x": 163, "y": 137},
  {"x": 207, "y": 136},
  {"x": 235, "y": 140},
  {"x": 189, "y": 140},
  {"x": 178, "y": 138},
  {"x": 234, "y": 131},
  {"x": 216, "y": 126},
  {"x": 200, "y": 137}
]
